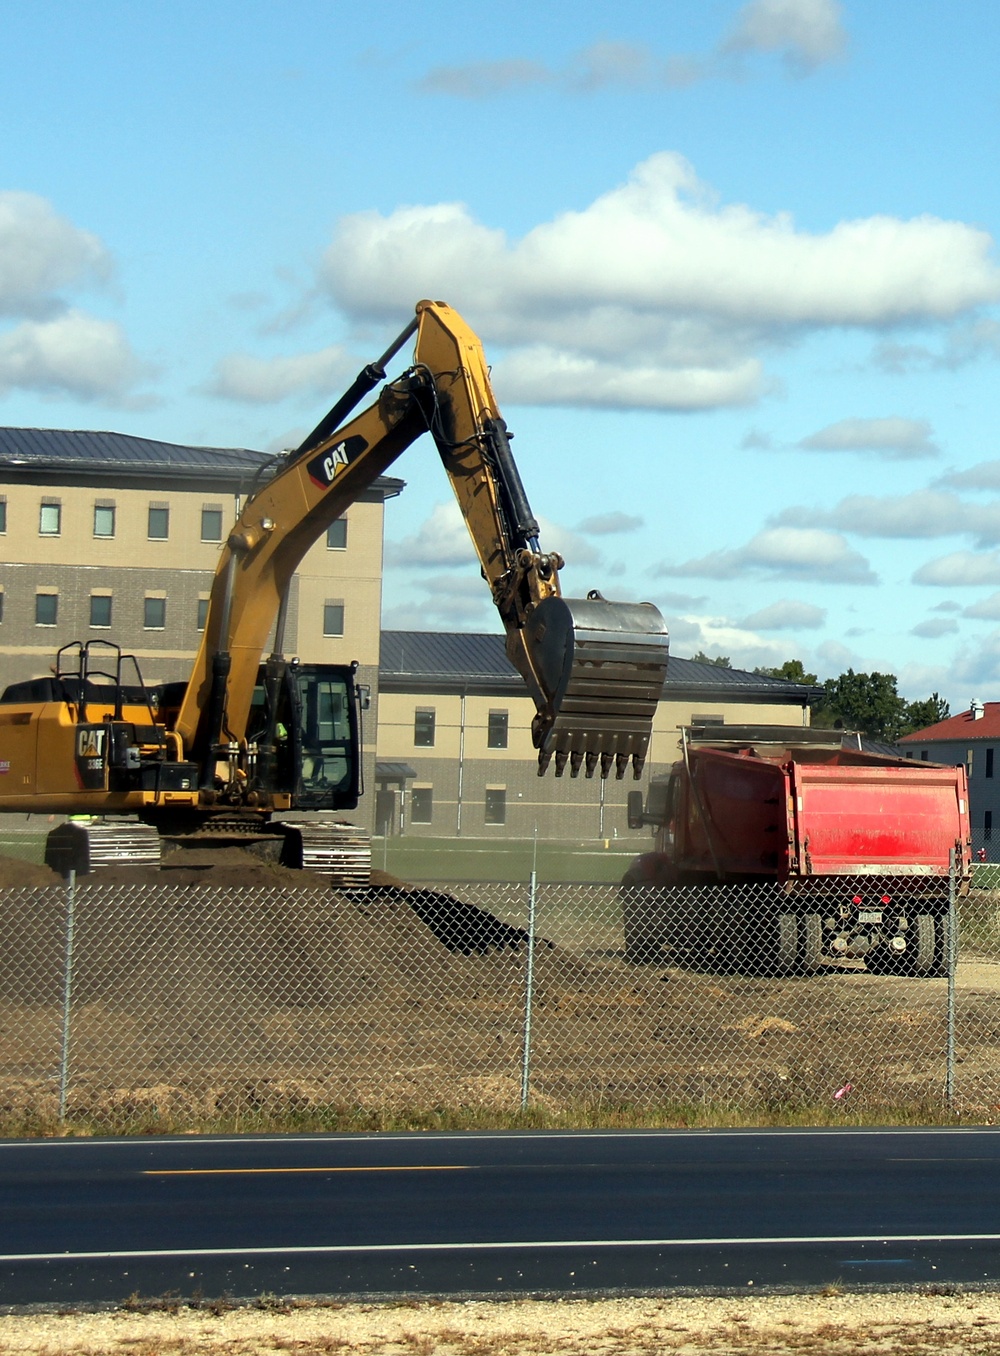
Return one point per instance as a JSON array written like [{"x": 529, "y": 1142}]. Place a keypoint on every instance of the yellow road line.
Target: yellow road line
[{"x": 236, "y": 1172}]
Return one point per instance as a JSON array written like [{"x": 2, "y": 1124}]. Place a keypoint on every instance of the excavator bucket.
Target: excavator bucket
[{"x": 601, "y": 668}]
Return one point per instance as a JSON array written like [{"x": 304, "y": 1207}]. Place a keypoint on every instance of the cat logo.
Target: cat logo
[
  {"x": 327, "y": 466},
  {"x": 333, "y": 461},
  {"x": 90, "y": 743}
]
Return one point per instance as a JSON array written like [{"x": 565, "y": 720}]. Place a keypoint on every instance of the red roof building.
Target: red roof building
[{"x": 972, "y": 738}]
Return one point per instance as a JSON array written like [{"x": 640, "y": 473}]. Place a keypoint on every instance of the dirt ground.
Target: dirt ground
[
  {"x": 763, "y": 1325},
  {"x": 269, "y": 993}
]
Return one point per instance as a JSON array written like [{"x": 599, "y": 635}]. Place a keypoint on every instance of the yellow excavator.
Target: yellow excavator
[{"x": 245, "y": 739}]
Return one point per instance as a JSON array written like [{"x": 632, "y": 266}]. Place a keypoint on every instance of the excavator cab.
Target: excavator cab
[{"x": 307, "y": 729}]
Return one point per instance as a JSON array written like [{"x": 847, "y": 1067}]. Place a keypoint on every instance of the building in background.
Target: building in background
[
  {"x": 108, "y": 537},
  {"x": 973, "y": 739},
  {"x": 454, "y": 740}
]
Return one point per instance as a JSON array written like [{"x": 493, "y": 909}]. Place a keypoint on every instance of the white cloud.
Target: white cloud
[
  {"x": 782, "y": 553},
  {"x": 260, "y": 381},
  {"x": 718, "y": 635},
  {"x": 934, "y": 628},
  {"x": 986, "y": 608},
  {"x": 963, "y": 343},
  {"x": 786, "y": 615},
  {"x": 655, "y": 295},
  {"x": 985, "y": 475},
  {"x": 805, "y": 33},
  {"x": 685, "y": 602},
  {"x": 485, "y": 79},
  {"x": 73, "y": 355},
  {"x": 959, "y": 569},
  {"x": 922, "y": 514},
  {"x": 978, "y": 665},
  {"x": 443, "y": 539},
  {"x": 42, "y": 253},
  {"x": 893, "y": 438},
  {"x": 607, "y": 524},
  {"x": 456, "y": 602}
]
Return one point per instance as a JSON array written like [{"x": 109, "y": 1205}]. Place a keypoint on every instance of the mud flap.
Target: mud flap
[{"x": 601, "y": 668}]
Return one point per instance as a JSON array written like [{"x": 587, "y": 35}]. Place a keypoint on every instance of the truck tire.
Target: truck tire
[
  {"x": 643, "y": 922},
  {"x": 926, "y": 954},
  {"x": 811, "y": 941}
]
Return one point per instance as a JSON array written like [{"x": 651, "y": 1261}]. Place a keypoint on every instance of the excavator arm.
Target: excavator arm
[{"x": 595, "y": 669}]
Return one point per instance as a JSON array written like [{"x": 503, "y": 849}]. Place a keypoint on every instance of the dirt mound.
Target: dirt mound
[{"x": 17, "y": 874}]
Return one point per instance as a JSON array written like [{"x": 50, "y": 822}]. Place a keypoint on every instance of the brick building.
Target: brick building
[{"x": 455, "y": 756}]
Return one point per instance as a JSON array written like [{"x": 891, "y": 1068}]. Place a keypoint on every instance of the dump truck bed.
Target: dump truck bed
[{"x": 877, "y": 820}]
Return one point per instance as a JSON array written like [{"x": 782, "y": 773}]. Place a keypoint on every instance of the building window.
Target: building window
[
  {"x": 989, "y": 763},
  {"x": 968, "y": 763},
  {"x": 3, "y": 515},
  {"x": 336, "y": 535},
  {"x": 158, "y": 528},
  {"x": 100, "y": 609},
  {"x": 423, "y": 727},
  {"x": 988, "y": 826},
  {"x": 202, "y": 613},
  {"x": 104, "y": 520},
  {"x": 50, "y": 520},
  {"x": 496, "y": 806},
  {"x": 421, "y": 805},
  {"x": 46, "y": 609},
  {"x": 154, "y": 614},
  {"x": 496, "y": 730},
  {"x": 923, "y": 755},
  {"x": 333, "y": 619},
  {"x": 211, "y": 524}
]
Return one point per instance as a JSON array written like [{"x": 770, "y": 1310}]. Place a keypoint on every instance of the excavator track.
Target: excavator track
[
  {"x": 341, "y": 851},
  {"x": 88, "y": 847}
]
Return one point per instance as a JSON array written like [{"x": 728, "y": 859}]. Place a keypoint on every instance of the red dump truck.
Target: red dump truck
[{"x": 818, "y": 851}]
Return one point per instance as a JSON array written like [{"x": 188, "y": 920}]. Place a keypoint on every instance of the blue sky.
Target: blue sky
[{"x": 734, "y": 265}]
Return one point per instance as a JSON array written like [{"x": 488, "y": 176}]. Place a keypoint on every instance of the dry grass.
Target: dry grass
[{"x": 835, "y": 1325}]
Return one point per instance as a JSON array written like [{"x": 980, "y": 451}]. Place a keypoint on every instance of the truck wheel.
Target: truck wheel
[
  {"x": 811, "y": 941},
  {"x": 925, "y": 952},
  {"x": 643, "y": 922},
  {"x": 773, "y": 948}
]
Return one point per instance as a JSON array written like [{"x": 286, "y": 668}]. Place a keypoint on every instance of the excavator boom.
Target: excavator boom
[{"x": 594, "y": 668}]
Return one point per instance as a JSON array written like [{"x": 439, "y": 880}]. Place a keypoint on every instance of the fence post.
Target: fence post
[
  {"x": 951, "y": 958},
  {"x": 67, "y": 997},
  {"x": 529, "y": 985}
]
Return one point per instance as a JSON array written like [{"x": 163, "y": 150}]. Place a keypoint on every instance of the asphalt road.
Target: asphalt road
[{"x": 83, "y": 1221}]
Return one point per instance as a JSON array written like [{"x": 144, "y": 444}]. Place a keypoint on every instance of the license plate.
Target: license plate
[{"x": 869, "y": 917}]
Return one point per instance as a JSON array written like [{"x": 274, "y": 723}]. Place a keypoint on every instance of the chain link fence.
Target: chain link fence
[{"x": 126, "y": 1005}]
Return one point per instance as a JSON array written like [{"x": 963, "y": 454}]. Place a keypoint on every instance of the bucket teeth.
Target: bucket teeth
[
  {"x": 544, "y": 759},
  {"x": 599, "y": 669}
]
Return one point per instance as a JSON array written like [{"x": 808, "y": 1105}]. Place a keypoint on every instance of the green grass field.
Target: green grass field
[
  {"x": 484, "y": 859},
  {"x": 451, "y": 859}
]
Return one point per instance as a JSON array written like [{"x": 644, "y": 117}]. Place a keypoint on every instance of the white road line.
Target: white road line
[{"x": 341, "y": 1248}]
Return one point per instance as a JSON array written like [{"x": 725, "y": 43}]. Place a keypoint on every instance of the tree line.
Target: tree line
[{"x": 868, "y": 702}]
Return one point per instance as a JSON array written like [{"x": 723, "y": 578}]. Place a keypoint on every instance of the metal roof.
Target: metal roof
[
  {"x": 120, "y": 456},
  {"x": 51, "y": 447},
  {"x": 424, "y": 658}
]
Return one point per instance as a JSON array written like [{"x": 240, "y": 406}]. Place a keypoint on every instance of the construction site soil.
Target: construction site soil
[{"x": 231, "y": 986}]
